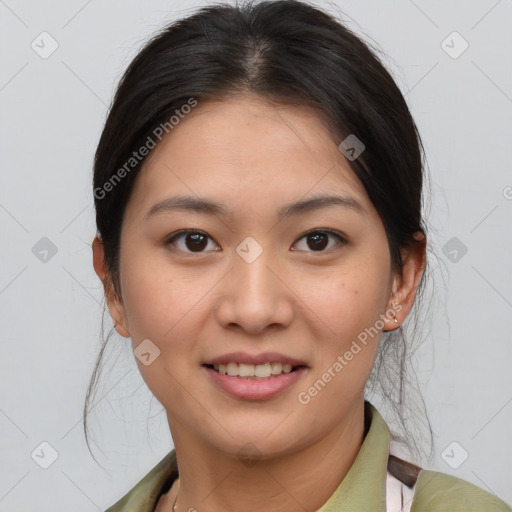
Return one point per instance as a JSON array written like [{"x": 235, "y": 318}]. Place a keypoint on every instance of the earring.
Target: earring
[
  {"x": 395, "y": 318},
  {"x": 394, "y": 315}
]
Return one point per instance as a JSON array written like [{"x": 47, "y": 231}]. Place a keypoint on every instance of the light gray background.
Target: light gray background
[{"x": 52, "y": 113}]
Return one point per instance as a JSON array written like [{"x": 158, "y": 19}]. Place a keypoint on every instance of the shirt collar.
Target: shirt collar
[{"x": 364, "y": 486}]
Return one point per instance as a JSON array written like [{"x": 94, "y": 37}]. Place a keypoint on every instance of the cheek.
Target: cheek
[
  {"x": 165, "y": 307},
  {"x": 158, "y": 297},
  {"x": 348, "y": 299},
  {"x": 348, "y": 302}
]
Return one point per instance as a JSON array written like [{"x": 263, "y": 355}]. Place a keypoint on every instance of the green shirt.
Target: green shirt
[{"x": 362, "y": 490}]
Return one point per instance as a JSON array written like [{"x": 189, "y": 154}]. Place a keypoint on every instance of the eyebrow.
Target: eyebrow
[{"x": 208, "y": 207}]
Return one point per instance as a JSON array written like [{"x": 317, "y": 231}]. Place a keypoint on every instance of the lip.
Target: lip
[
  {"x": 247, "y": 389},
  {"x": 262, "y": 358}
]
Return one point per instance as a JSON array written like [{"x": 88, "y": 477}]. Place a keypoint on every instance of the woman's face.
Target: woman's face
[{"x": 255, "y": 284}]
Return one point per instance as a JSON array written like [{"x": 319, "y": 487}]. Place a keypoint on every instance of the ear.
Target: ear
[
  {"x": 405, "y": 286},
  {"x": 115, "y": 306}
]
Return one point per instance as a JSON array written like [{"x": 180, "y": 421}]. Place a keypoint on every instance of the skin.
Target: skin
[{"x": 254, "y": 156}]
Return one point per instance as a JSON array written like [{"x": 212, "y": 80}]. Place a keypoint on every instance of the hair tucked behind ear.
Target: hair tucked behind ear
[{"x": 290, "y": 52}]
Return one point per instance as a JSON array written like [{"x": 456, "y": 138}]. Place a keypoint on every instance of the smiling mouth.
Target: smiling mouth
[{"x": 244, "y": 371}]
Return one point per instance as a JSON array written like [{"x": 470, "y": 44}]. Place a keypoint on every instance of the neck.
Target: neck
[{"x": 212, "y": 481}]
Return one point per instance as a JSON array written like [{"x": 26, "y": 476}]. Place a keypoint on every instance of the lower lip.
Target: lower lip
[{"x": 248, "y": 389}]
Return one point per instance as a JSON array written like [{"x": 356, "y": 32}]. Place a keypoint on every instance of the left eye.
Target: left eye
[{"x": 318, "y": 241}]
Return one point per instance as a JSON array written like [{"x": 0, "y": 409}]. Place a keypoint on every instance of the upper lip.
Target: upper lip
[{"x": 245, "y": 358}]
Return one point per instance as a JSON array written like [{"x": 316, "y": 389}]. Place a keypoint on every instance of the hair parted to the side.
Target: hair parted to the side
[{"x": 290, "y": 52}]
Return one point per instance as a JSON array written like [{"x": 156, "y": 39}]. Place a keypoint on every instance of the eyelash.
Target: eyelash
[{"x": 181, "y": 233}]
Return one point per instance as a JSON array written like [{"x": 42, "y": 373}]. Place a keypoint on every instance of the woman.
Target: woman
[{"x": 258, "y": 193}]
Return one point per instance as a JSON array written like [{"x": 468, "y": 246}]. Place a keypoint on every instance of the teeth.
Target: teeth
[
  {"x": 263, "y": 370},
  {"x": 245, "y": 370},
  {"x": 232, "y": 369},
  {"x": 252, "y": 370},
  {"x": 276, "y": 368}
]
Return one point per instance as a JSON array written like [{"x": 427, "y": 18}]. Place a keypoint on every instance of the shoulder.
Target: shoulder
[
  {"x": 439, "y": 492},
  {"x": 146, "y": 494}
]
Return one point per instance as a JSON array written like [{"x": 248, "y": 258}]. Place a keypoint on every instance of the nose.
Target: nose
[{"x": 254, "y": 297}]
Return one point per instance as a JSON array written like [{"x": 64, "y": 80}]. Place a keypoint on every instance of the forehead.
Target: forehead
[{"x": 248, "y": 151}]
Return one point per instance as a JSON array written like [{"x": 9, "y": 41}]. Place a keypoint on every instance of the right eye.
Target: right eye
[{"x": 190, "y": 241}]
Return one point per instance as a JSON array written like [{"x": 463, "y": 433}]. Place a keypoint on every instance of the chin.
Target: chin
[{"x": 257, "y": 444}]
